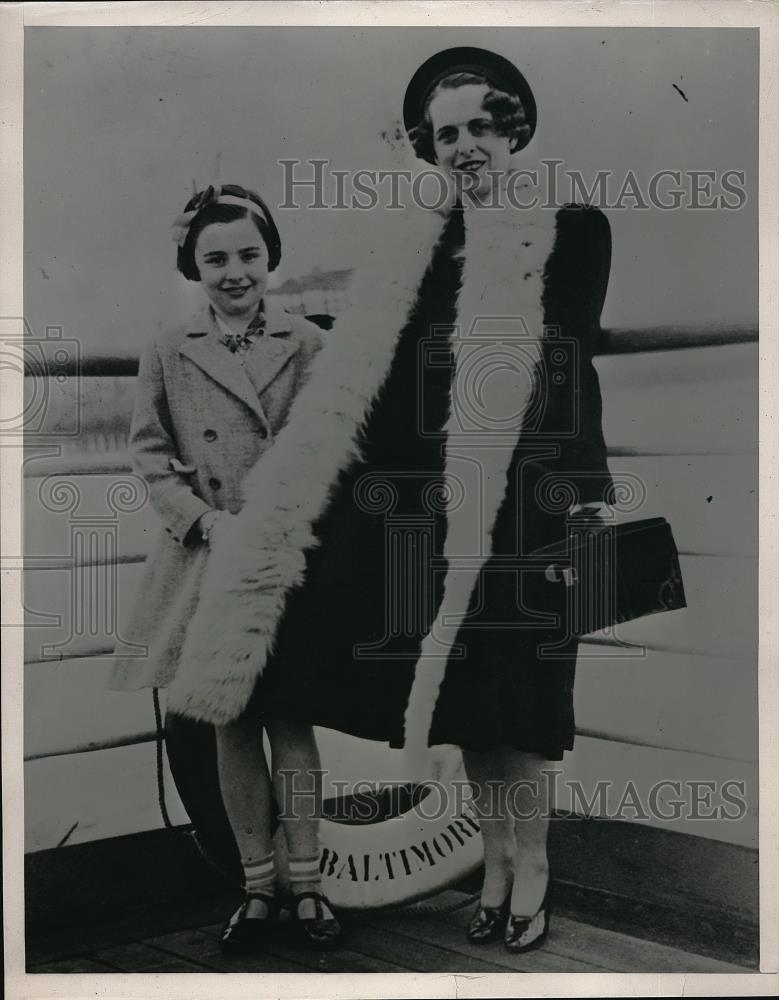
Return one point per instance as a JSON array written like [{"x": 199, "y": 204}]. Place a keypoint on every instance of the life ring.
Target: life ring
[{"x": 392, "y": 843}]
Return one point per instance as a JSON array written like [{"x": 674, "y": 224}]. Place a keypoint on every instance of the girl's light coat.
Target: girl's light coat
[{"x": 201, "y": 421}]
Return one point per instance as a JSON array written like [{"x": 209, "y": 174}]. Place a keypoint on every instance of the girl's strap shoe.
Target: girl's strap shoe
[
  {"x": 247, "y": 929},
  {"x": 322, "y": 930}
]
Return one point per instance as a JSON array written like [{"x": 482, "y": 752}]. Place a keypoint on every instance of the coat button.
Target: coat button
[
  {"x": 210, "y": 434},
  {"x": 263, "y": 432},
  {"x": 214, "y": 483}
]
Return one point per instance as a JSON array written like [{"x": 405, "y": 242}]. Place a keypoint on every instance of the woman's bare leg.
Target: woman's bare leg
[
  {"x": 529, "y": 805},
  {"x": 486, "y": 770}
]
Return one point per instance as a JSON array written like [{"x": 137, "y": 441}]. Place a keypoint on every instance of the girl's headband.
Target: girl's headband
[{"x": 181, "y": 223}]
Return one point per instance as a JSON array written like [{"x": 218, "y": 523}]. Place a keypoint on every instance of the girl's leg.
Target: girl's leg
[
  {"x": 486, "y": 770},
  {"x": 297, "y": 775},
  {"x": 529, "y": 806},
  {"x": 247, "y": 795}
]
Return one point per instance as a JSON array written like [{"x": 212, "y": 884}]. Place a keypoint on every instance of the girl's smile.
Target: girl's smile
[
  {"x": 233, "y": 263},
  {"x": 239, "y": 292}
]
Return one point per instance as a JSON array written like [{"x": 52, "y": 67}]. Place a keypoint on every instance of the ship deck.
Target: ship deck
[
  {"x": 149, "y": 903},
  {"x": 185, "y": 939}
]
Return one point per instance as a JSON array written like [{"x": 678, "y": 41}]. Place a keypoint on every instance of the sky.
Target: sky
[{"x": 119, "y": 121}]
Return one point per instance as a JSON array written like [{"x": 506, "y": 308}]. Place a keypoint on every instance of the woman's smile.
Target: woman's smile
[
  {"x": 471, "y": 166},
  {"x": 464, "y": 137}
]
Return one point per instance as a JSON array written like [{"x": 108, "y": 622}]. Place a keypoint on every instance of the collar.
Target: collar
[
  {"x": 277, "y": 321},
  {"x": 254, "y": 330}
]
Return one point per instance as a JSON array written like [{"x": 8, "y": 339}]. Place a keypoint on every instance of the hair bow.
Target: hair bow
[{"x": 181, "y": 223}]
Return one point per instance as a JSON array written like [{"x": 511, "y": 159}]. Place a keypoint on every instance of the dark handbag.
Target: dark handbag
[{"x": 613, "y": 573}]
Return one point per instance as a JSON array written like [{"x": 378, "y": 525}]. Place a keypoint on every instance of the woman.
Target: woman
[
  {"x": 379, "y": 579},
  {"x": 212, "y": 396}
]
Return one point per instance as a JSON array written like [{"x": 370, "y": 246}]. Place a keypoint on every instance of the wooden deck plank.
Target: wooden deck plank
[
  {"x": 428, "y": 918},
  {"x": 204, "y": 948},
  {"x": 136, "y": 956},
  {"x": 172, "y": 963},
  {"x": 451, "y": 939},
  {"x": 623, "y": 953},
  {"x": 337, "y": 960},
  {"x": 417, "y": 954},
  {"x": 53, "y": 944},
  {"x": 283, "y": 945},
  {"x": 611, "y": 950},
  {"x": 131, "y": 957},
  {"x": 81, "y": 963}
]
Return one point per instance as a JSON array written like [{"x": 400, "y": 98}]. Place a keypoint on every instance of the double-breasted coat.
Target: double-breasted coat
[{"x": 202, "y": 419}]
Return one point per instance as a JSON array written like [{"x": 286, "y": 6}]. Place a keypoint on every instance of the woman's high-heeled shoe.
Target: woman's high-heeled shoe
[
  {"x": 526, "y": 933},
  {"x": 489, "y": 922},
  {"x": 247, "y": 929}
]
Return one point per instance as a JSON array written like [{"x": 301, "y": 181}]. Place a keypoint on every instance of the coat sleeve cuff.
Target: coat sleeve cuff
[{"x": 181, "y": 523}]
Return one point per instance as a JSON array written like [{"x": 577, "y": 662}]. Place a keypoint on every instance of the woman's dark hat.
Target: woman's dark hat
[{"x": 498, "y": 71}]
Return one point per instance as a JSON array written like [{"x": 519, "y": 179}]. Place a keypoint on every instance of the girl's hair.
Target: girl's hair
[
  {"x": 506, "y": 109},
  {"x": 209, "y": 211}
]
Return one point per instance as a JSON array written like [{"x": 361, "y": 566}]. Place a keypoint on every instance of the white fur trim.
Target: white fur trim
[
  {"x": 259, "y": 556},
  {"x": 505, "y": 255}
]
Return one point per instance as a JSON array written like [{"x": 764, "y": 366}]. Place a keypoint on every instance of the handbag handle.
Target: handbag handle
[{"x": 554, "y": 574}]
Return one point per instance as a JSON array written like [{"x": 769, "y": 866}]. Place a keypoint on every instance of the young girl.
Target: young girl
[{"x": 212, "y": 395}]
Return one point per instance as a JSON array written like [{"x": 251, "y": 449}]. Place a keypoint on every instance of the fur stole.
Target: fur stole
[
  {"x": 259, "y": 555},
  {"x": 499, "y": 328}
]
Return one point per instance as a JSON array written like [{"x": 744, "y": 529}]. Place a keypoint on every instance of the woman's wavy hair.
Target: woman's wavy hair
[
  {"x": 210, "y": 211},
  {"x": 506, "y": 110}
]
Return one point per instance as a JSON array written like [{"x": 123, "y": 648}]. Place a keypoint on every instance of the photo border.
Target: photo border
[{"x": 644, "y": 13}]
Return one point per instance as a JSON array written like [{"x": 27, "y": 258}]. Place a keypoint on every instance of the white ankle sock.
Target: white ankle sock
[{"x": 260, "y": 875}]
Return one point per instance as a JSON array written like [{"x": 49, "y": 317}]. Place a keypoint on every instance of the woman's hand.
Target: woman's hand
[{"x": 588, "y": 514}]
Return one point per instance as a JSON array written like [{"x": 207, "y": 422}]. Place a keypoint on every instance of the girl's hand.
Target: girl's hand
[
  {"x": 206, "y": 524},
  {"x": 211, "y": 524}
]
